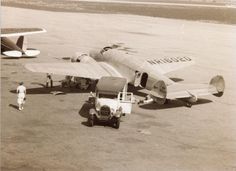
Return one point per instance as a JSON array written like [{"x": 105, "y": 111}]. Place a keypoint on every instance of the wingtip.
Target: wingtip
[{"x": 44, "y": 30}]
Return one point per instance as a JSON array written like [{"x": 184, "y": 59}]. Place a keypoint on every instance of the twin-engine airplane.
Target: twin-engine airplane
[
  {"x": 148, "y": 74},
  {"x": 18, "y": 49}
]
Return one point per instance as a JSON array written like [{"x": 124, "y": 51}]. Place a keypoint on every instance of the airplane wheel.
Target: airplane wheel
[
  {"x": 62, "y": 85},
  {"x": 189, "y": 105},
  {"x": 91, "y": 120},
  {"x": 167, "y": 101}
]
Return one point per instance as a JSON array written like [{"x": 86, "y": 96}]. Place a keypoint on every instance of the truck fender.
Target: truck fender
[{"x": 92, "y": 111}]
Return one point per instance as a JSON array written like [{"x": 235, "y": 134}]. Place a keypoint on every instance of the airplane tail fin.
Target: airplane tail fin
[{"x": 22, "y": 43}]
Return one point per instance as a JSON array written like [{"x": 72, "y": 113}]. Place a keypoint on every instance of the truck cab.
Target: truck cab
[{"x": 111, "y": 101}]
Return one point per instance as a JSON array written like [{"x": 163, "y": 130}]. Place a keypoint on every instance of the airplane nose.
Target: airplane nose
[{"x": 95, "y": 54}]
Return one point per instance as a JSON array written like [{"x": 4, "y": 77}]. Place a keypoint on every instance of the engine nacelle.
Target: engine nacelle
[
  {"x": 158, "y": 92},
  {"x": 81, "y": 58}
]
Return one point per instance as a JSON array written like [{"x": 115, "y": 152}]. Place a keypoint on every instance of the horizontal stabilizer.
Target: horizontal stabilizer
[
  {"x": 32, "y": 52},
  {"x": 13, "y": 53},
  {"x": 216, "y": 87}
]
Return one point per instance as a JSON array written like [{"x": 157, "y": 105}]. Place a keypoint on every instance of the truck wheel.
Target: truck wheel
[
  {"x": 91, "y": 121},
  {"x": 117, "y": 123}
]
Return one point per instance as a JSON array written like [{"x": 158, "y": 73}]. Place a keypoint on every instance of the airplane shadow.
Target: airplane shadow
[
  {"x": 103, "y": 124},
  {"x": 13, "y": 106},
  {"x": 172, "y": 104},
  {"x": 57, "y": 90},
  {"x": 37, "y": 83},
  {"x": 25, "y": 57},
  {"x": 5, "y": 58}
]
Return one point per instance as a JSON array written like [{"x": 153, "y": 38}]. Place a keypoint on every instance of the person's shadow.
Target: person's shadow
[{"x": 13, "y": 106}]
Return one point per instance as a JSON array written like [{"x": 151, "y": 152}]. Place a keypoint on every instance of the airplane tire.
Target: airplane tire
[
  {"x": 167, "y": 101},
  {"x": 189, "y": 105}
]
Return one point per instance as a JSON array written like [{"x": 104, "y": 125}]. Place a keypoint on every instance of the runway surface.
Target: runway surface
[
  {"x": 50, "y": 134},
  {"x": 217, "y": 11}
]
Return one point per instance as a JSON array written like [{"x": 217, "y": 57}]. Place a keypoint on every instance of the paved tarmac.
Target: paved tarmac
[{"x": 51, "y": 134}]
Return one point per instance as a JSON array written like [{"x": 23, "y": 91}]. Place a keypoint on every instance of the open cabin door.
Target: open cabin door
[{"x": 140, "y": 79}]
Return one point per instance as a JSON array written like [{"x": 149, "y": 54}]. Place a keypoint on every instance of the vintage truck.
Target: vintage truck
[{"x": 110, "y": 102}]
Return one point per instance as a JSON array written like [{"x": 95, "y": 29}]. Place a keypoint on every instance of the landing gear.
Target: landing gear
[
  {"x": 188, "y": 104},
  {"x": 167, "y": 101},
  {"x": 147, "y": 100}
]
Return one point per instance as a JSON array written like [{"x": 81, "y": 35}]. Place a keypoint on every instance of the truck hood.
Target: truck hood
[{"x": 112, "y": 103}]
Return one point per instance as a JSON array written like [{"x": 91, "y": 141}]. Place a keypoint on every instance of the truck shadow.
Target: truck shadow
[
  {"x": 84, "y": 111},
  {"x": 103, "y": 124}
]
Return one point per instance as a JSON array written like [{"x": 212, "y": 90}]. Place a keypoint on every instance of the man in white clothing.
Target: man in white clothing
[{"x": 21, "y": 91}]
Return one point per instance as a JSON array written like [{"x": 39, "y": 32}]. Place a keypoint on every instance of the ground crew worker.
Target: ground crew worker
[
  {"x": 21, "y": 91},
  {"x": 49, "y": 80},
  {"x": 68, "y": 80}
]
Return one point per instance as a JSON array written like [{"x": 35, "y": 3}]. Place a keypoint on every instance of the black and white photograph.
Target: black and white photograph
[{"x": 118, "y": 85}]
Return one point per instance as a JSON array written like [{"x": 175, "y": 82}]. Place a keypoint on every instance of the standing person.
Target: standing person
[
  {"x": 49, "y": 80},
  {"x": 21, "y": 91},
  {"x": 68, "y": 80}
]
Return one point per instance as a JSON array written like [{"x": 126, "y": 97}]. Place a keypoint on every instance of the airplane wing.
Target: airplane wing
[
  {"x": 86, "y": 70},
  {"x": 12, "y": 32}
]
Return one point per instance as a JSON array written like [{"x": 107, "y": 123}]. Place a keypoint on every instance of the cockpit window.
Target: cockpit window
[{"x": 105, "y": 49}]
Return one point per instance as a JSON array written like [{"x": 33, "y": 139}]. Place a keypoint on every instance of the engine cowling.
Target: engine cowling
[
  {"x": 158, "y": 92},
  {"x": 81, "y": 58}
]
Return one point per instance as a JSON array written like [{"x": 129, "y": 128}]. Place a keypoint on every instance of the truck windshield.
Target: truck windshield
[{"x": 109, "y": 96}]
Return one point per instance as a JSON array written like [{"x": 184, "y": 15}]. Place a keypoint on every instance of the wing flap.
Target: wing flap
[{"x": 86, "y": 70}]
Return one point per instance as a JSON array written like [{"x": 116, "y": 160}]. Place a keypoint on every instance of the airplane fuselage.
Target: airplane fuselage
[{"x": 127, "y": 65}]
